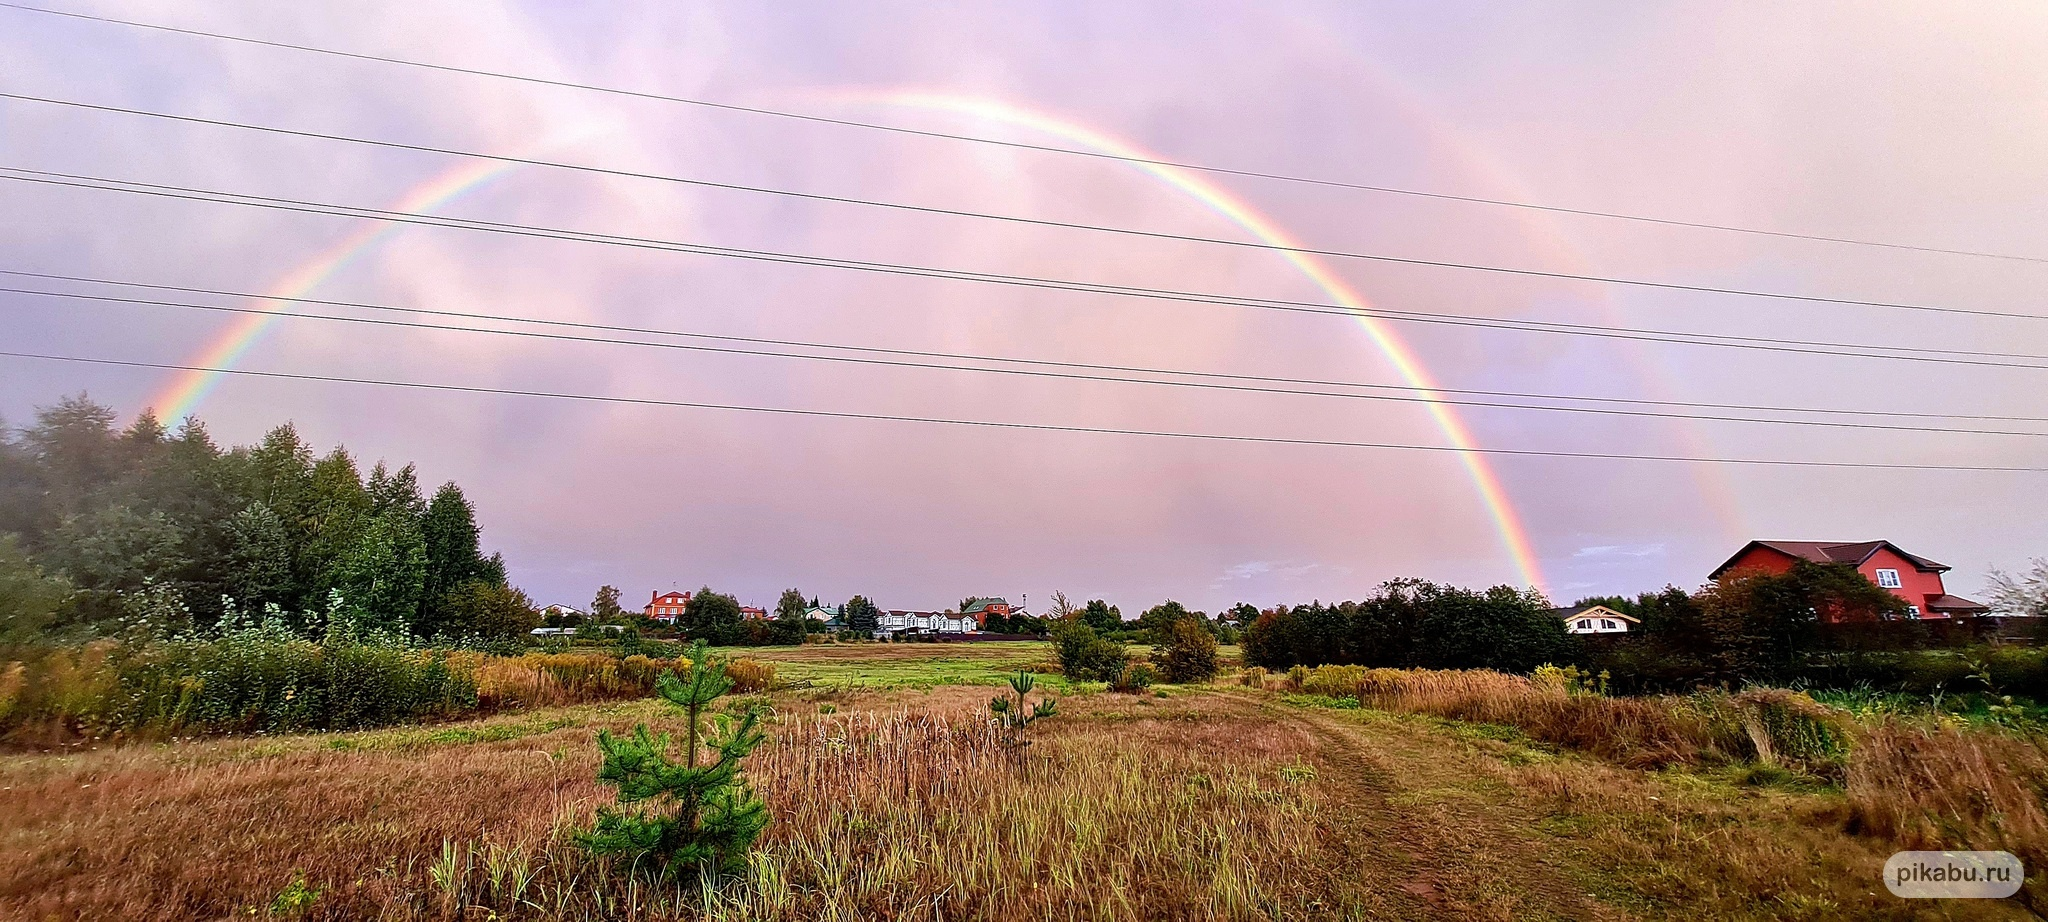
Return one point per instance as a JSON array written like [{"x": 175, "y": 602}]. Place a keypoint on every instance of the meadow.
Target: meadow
[{"x": 1338, "y": 793}]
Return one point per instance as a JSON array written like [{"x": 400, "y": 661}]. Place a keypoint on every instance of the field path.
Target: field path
[{"x": 1434, "y": 836}]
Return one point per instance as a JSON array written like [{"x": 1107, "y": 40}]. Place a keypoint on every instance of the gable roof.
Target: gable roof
[
  {"x": 1593, "y": 609},
  {"x": 1852, "y": 553},
  {"x": 982, "y": 604}
]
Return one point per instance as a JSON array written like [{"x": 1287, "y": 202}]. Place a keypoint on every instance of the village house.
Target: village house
[
  {"x": 667, "y": 606},
  {"x": 831, "y": 615},
  {"x": 983, "y": 608},
  {"x": 750, "y": 613},
  {"x": 924, "y": 622},
  {"x": 1909, "y": 576},
  {"x": 1594, "y": 619},
  {"x": 564, "y": 612}
]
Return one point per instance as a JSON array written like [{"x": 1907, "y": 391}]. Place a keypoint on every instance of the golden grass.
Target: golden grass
[
  {"x": 880, "y": 812},
  {"x": 555, "y": 679}
]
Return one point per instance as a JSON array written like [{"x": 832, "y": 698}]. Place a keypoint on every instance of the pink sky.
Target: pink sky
[{"x": 1894, "y": 122}]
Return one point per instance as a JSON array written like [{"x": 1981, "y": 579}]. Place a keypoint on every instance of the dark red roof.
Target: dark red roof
[
  {"x": 1956, "y": 603},
  {"x": 1853, "y": 553}
]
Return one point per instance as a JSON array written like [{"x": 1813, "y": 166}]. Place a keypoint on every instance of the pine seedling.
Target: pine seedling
[
  {"x": 1012, "y": 716},
  {"x": 696, "y": 814}
]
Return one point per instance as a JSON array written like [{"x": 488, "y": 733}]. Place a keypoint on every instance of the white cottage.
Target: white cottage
[{"x": 1594, "y": 619}]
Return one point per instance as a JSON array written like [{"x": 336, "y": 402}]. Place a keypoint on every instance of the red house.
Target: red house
[
  {"x": 1909, "y": 576},
  {"x": 667, "y": 606},
  {"x": 751, "y": 613}
]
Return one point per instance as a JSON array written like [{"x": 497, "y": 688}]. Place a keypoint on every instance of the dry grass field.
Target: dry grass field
[{"x": 900, "y": 803}]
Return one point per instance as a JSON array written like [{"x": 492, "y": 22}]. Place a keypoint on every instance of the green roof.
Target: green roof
[{"x": 982, "y": 604}]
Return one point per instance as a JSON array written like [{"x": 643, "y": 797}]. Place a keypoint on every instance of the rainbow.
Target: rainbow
[
  {"x": 1514, "y": 537},
  {"x": 183, "y": 393},
  {"x": 185, "y": 390}
]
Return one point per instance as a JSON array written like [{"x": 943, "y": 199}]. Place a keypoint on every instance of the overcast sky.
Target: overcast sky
[{"x": 1909, "y": 123}]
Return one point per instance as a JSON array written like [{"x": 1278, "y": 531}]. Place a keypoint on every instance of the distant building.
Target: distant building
[
  {"x": 750, "y": 613},
  {"x": 1594, "y": 619},
  {"x": 564, "y": 611},
  {"x": 667, "y": 606},
  {"x": 925, "y": 622},
  {"x": 981, "y": 609},
  {"x": 1909, "y": 576},
  {"x": 833, "y": 615}
]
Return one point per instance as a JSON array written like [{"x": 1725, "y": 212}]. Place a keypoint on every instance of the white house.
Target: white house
[
  {"x": 564, "y": 611},
  {"x": 1594, "y": 619},
  {"x": 925, "y": 622}
]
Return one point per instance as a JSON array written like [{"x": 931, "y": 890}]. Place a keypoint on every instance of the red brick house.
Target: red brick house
[
  {"x": 750, "y": 613},
  {"x": 982, "y": 608},
  {"x": 667, "y": 606},
  {"x": 1909, "y": 576}
]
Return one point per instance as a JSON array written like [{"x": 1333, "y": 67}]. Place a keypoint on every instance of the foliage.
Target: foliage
[
  {"x": 605, "y": 608},
  {"x": 30, "y": 600},
  {"x": 1414, "y": 623},
  {"x": 117, "y": 512},
  {"x": 1157, "y": 622},
  {"x": 2025, "y": 594},
  {"x": 487, "y": 609},
  {"x": 683, "y": 816},
  {"x": 750, "y": 675},
  {"x": 713, "y": 617},
  {"x": 1136, "y": 677},
  {"x": 862, "y": 617},
  {"x": 1188, "y": 653},
  {"x": 1086, "y": 656},
  {"x": 1101, "y": 616}
]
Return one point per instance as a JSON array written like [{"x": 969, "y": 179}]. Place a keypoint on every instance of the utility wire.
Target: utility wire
[
  {"x": 1018, "y": 372},
  {"x": 1769, "y": 344},
  {"x": 1036, "y": 222},
  {"x": 1046, "y": 363},
  {"x": 1017, "y": 145},
  {"x": 1011, "y": 219},
  {"x": 1043, "y": 427}
]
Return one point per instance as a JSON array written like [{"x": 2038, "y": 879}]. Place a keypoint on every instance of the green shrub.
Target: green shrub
[
  {"x": 1086, "y": 656},
  {"x": 1136, "y": 677},
  {"x": 1189, "y": 654}
]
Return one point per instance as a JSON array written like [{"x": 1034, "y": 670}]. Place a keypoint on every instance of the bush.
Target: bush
[
  {"x": 1189, "y": 654},
  {"x": 1252, "y": 677},
  {"x": 1086, "y": 656},
  {"x": 1135, "y": 678},
  {"x": 750, "y": 676}
]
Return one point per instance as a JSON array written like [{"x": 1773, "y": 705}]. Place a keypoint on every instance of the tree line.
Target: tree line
[
  {"x": 1810, "y": 624},
  {"x": 102, "y": 526}
]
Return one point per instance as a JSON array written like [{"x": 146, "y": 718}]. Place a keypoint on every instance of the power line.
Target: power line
[
  {"x": 1005, "y": 218},
  {"x": 1768, "y": 344},
  {"x": 1035, "y": 222},
  {"x": 1020, "y": 145},
  {"x": 1018, "y": 372},
  {"x": 1088, "y": 366},
  {"x": 1043, "y": 427}
]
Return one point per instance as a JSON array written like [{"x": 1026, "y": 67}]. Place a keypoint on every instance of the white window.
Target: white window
[
  {"x": 1912, "y": 611},
  {"x": 1607, "y": 623},
  {"x": 1889, "y": 579}
]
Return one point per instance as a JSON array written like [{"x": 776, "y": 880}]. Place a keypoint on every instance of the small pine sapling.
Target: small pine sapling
[
  {"x": 1011, "y": 715},
  {"x": 698, "y": 814}
]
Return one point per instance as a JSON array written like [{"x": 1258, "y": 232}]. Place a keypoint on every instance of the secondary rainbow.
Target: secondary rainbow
[
  {"x": 187, "y": 389},
  {"x": 1507, "y": 521}
]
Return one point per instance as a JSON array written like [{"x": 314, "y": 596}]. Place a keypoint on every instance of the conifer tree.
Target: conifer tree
[{"x": 697, "y": 814}]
